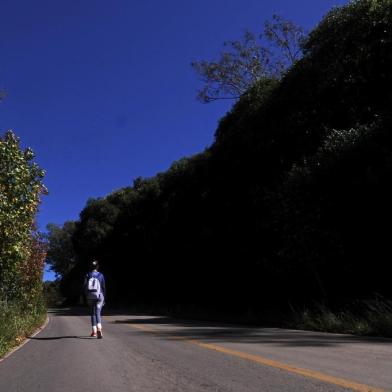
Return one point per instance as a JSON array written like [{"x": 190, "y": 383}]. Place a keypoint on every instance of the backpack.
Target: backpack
[{"x": 93, "y": 288}]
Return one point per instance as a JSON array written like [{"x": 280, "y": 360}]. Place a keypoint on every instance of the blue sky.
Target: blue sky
[{"x": 104, "y": 92}]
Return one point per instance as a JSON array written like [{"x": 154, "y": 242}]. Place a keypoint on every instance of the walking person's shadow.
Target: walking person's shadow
[{"x": 62, "y": 337}]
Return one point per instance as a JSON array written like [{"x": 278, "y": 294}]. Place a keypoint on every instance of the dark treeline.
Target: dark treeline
[{"x": 291, "y": 203}]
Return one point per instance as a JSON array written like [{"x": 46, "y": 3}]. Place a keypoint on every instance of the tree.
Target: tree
[
  {"x": 61, "y": 254},
  {"x": 251, "y": 59},
  {"x": 21, "y": 188},
  {"x": 288, "y": 38}
]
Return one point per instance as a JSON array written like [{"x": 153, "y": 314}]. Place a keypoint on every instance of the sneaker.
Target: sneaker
[
  {"x": 99, "y": 335},
  {"x": 93, "y": 335}
]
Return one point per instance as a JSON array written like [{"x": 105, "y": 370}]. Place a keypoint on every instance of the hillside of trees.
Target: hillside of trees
[{"x": 290, "y": 204}]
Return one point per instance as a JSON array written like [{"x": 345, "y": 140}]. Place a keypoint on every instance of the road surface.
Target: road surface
[{"x": 150, "y": 353}]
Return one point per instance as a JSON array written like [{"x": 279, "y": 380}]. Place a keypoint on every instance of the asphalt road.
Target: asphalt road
[{"x": 145, "y": 353}]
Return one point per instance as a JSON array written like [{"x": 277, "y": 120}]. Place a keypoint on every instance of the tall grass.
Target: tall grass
[
  {"x": 17, "y": 321},
  {"x": 367, "y": 317}
]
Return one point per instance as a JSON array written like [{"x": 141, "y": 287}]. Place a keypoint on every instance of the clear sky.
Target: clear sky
[{"x": 104, "y": 92}]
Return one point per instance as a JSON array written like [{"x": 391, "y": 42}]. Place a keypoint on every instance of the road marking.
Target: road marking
[{"x": 269, "y": 362}]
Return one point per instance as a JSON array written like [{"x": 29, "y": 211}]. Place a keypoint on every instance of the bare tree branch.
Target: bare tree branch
[{"x": 248, "y": 60}]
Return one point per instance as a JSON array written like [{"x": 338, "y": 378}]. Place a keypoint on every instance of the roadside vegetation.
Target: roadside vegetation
[
  {"x": 290, "y": 205},
  {"x": 367, "y": 318},
  {"x": 17, "y": 321},
  {"x": 22, "y": 249}
]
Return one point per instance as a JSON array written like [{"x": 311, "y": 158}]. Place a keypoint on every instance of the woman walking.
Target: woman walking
[{"x": 95, "y": 294}]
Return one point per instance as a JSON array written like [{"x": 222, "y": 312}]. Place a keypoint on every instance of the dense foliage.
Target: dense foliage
[{"x": 290, "y": 204}]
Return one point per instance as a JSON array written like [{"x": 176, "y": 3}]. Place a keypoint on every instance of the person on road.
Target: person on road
[{"x": 94, "y": 285}]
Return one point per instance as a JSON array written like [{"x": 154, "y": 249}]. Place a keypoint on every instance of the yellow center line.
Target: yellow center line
[{"x": 269, "y": 362}]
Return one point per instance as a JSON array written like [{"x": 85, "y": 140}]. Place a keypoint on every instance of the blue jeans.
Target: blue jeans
[{"x": 95, "y": 310}]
